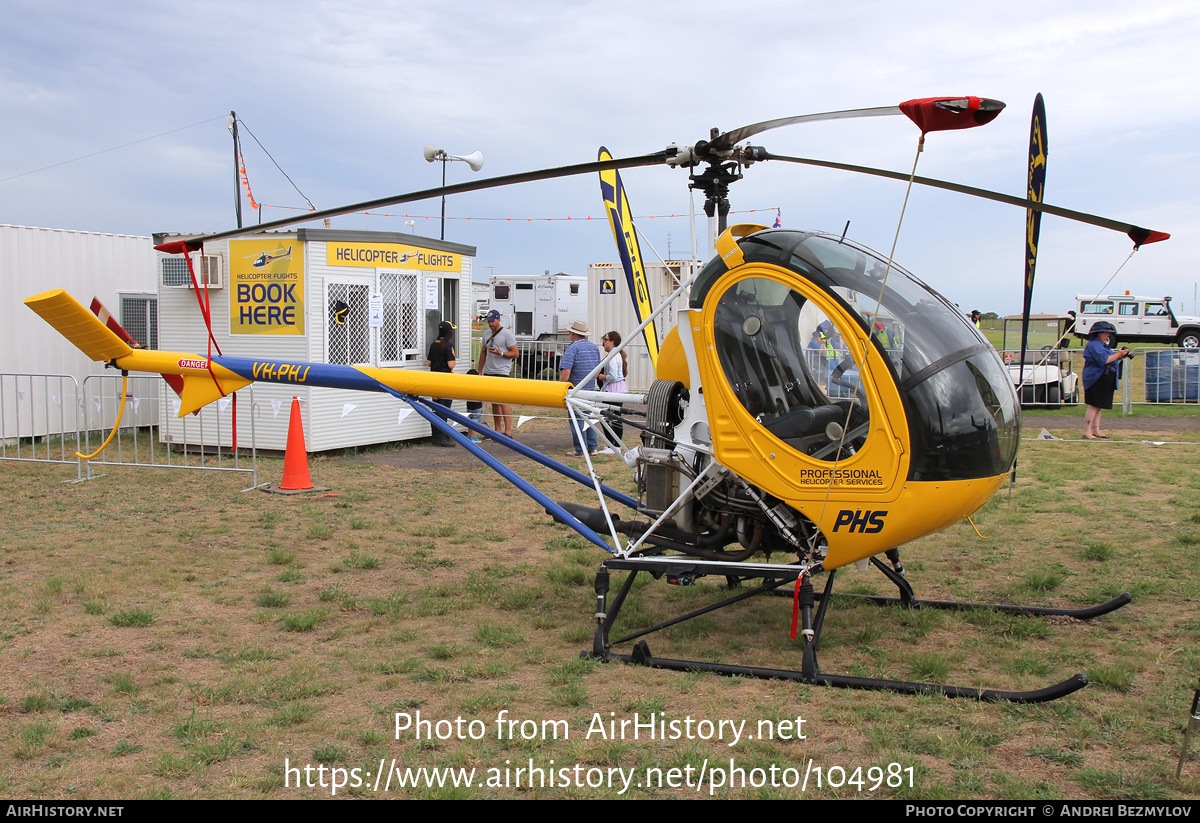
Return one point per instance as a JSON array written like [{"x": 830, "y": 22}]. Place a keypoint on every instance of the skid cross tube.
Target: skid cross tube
[
  {"x": 606, "y": 615},
  {"x": 773, "y": 577},
  {"x": 737, "y": 598}
]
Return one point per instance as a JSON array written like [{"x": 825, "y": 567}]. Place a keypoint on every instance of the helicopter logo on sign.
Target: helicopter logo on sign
[{"x": 265, "y": 259}]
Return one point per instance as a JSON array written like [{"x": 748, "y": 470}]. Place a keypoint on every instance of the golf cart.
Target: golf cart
[{"x": 1048, "y": 377}]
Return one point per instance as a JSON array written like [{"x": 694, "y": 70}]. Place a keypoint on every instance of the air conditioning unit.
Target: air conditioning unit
[{"x": 175, "y": 274}]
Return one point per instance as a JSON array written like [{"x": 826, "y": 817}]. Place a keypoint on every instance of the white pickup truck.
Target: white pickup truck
[{"x": 1138, "y": 319}]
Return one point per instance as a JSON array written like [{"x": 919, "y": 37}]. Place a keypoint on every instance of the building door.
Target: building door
[
  {"x": 347, "y": 332},
  {"x": 441, "y": 303}
]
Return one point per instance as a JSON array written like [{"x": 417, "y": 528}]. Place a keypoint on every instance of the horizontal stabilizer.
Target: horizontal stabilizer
[
  {"x": 74, "y": 322},
  {"x": 200, "y": 390}
]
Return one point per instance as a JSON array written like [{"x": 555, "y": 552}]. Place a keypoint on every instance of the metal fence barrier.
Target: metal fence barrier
[
  {"x": 539, "y": 359},
  {"x": 50, "y": 417},
  {"x": 39, "y": 417},
  {"x": 826, "y": 366},
  {"x": 1161, "y": 376},
  {"x": 140, "y": 441},
  {"x": 1155, "y": 376}
]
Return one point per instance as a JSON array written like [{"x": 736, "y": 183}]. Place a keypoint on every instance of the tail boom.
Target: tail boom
[{"x": 205, "y": 381}]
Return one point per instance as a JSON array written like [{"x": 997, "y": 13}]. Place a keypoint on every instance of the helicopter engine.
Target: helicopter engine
[{"x": 721, "y": 511}]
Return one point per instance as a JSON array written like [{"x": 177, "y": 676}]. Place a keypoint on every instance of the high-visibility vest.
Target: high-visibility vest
[{"x": 831, "y": 353}]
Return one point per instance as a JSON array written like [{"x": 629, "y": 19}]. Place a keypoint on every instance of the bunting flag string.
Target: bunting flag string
[
  {"x": 245, "y": 180},
  {"x": 583, "y": 219},
  {"x": 241, "y": 161}
]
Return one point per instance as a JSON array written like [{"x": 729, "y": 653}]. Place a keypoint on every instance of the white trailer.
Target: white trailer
[{"x": 539, "y": 307}]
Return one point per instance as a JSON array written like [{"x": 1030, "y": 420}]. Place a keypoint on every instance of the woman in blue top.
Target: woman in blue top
[{"x": 1099, "y": 375}]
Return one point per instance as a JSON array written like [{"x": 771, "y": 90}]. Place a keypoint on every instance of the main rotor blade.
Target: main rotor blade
[
  {"x": 458, "y": 188},
  {"x": 1137, "y": 234},
  {"x": 730, "y": 138},
  {"x": 930, "y": 113}
]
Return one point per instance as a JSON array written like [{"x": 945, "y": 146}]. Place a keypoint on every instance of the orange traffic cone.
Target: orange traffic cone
[{"x": 295, "y": 459}]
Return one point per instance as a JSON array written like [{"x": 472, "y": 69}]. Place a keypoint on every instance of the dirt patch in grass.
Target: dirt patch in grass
[
  {"x": 548, "y": 435},
  {"x": 1116, "y": 421}
]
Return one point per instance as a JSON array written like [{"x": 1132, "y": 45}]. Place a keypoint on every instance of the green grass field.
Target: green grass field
[{"x": 164, "y": 635}]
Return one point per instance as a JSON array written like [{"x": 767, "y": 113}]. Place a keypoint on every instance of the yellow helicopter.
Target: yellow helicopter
[
  {"x": 754, "y": 440},
  {"x": 266, "y": 258}
]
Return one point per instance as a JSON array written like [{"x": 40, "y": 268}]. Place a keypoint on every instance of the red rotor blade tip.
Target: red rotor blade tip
[
  {"x": 178, "y": 246},
  {"x": 1141, "y": 237},
  {"x": 947, "y": 113}
]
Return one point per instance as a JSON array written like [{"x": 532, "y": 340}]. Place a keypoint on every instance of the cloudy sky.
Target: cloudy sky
[{"x": 345, "y": 95}]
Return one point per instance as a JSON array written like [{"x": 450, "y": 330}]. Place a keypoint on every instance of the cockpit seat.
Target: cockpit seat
[{"x": 806, "y": 422}]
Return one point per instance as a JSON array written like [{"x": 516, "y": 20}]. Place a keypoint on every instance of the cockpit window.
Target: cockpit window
[
  {"x": 788, "y": 366},
  {"x": 962, "y": 411},
  {"x": 913, "y": 322}
]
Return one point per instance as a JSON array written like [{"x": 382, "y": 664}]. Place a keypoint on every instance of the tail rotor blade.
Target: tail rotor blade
[
  {"x": 116, "y": 328},
  {"x": 105, "y": 317}
]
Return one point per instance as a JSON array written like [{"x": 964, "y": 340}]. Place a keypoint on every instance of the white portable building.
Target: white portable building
[
  {"x": 318, "y": 295},
  {"x": 610, "y": 308},
  {"x": 119, "y": 269}
]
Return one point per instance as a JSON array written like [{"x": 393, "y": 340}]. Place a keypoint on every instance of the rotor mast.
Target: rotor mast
[{"x": 714, "y": 182}]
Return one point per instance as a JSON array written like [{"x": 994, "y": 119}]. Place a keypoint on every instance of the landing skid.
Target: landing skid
[
  {"x": 909, "y": 599},
  {"x": 773, "y": 578}
]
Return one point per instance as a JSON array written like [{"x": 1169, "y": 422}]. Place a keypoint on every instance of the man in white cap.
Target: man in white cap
[{"x": 578, "y": 361}]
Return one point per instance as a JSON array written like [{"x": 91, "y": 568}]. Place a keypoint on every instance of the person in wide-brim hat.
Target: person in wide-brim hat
[
  {"x": 1099, "y": 375},
  {"x": 578, "y": 361}
]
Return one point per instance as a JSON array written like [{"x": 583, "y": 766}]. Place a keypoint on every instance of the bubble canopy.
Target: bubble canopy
[{"x": 962, "y": 411}]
